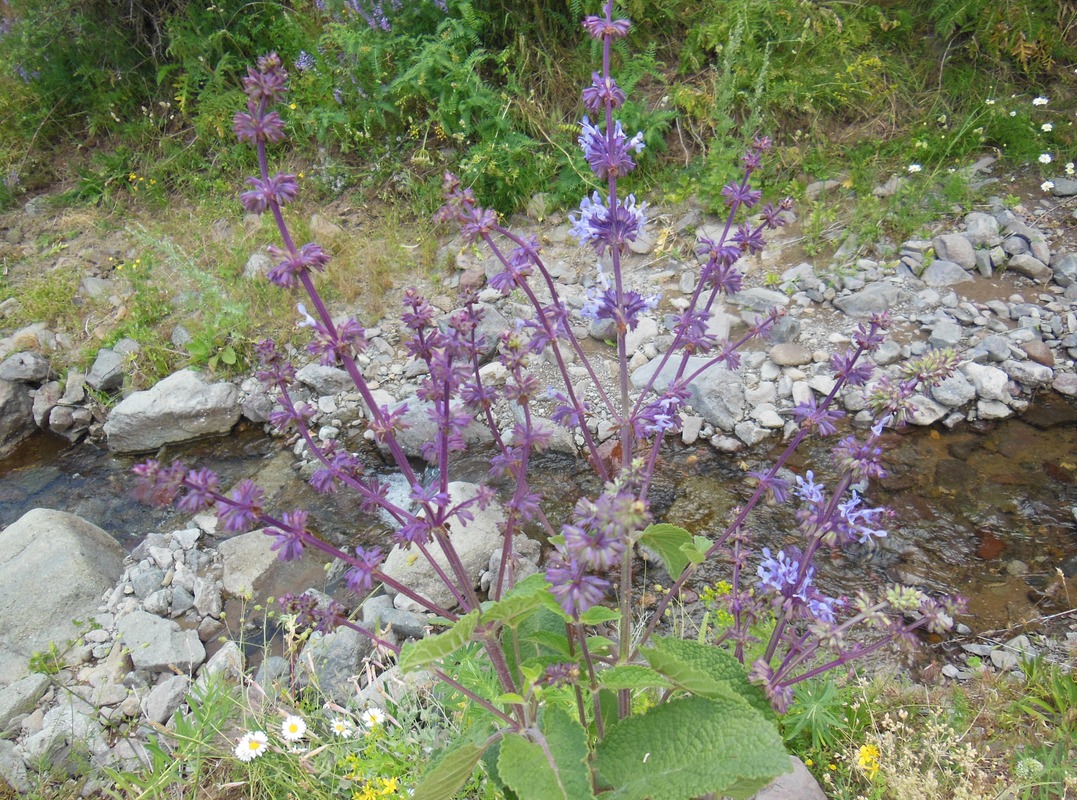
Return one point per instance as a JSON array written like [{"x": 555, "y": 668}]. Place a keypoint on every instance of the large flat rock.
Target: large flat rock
[
  {"x": 179, "y": 408},
  {"x": 54, "y": 569}
]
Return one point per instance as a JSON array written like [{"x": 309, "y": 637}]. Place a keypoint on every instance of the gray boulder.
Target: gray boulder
[
  {"x": 71, "y": 740},
  {"x": 332, "y": 661},
  {"x": 422, "y": 429},
  {"x": 981, "y": 229},
  {"x": 16, "y": 415},
  {"x": 12, "y": 768},
  {"x": 245, "y": 559},
  {"x": 25, "y": 367},
  {"x": 21, "y": 697},
  {"x": 179, "y": 408},
  {"x": 106, "y": 374},
  {"x": 325, "y": 380},
  {"x": 54, "y": 569},
  {"x": 164, "y": 698},
  {"x": 717, "y": 394},
  {"x": 942, "y": 272},
  {"x": 1030, "y": 267},
  {"x": 1065, "y": 269},
  {"x": 990, "y": 382},
  {"x": 1028, "y": 373},
  {"x": 251, "y": 568},
  {"x": 925, "y": 411},
  {"x": 954, "y": 247},
  {"x": 945, "y": 333},
  {"x": 760, "y": 299},
  {"x": 954, "y": 391},
  {"x": 1064, "y": 187},
  {"x": 473, "y": 542},
  {"x": 872, "y": 299},
  {"x": 157, "y": 644}
]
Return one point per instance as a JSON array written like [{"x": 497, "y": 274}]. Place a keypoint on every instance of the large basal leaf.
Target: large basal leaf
[
  {"x": 450, "y": 773},
  {"x": 705, "y": 670},
  {"x": 689, "y": 747},
  {"x": 416, "y": 655},
  {"x": 527, "y": 769},
  {"x": 667, "y": 540}
]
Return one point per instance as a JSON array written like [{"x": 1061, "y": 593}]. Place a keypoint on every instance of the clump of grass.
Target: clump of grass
[{"x": 48, "y": 297}]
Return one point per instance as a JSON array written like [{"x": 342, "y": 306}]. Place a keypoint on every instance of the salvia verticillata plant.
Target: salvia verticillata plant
[{"x": 573, "y": 664}]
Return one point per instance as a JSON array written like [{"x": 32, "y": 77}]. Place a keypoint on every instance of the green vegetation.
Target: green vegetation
[
  {"x": 490, "y": 89},
  {"x": 128, "y": 107}
]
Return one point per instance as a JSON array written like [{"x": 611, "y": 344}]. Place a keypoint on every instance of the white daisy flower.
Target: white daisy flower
[
  {"x": 1045, "y": 158},
  {"x": 293, "y": 729},
  {"x": 251, "y": 746},
  {"x": 1069, "y": 168},
  {"x": 990, "y": 101},
  {"x": 341, "y": 728},
  {"x": 1013, "y": 113},
  {"x": 373, "y": 717},
  {"x": 1039, "y": 101},
  {"x": 1047, "y": 127},
  {"x": 914, "y": 168},
  {"x": 1047, "y": 186}
]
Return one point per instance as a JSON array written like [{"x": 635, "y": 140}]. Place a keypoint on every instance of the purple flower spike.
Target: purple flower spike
[
  {"x": 287, "y": 543},
  {"x": 360, "y": 578},
  {"x": 822, "y": 418},
  {"x": 601, "y": 92},
  {"x": 599, "y": 27},
  {"x": 609, "y": 155},
  {"x": 280, "y": 189},
  {"x": 603, "y": 228},
  {"x": 266, "y": 84},
  {"x": 575, "y": 590},
  {"x": 201, "y": 486},
  {"x": 255, "y": 127},
  {"x": 242, "y": 508}
]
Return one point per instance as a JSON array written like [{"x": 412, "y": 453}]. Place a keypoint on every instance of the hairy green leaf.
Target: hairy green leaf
[
  {"x": 525, "y": 598},
  {"x": 668, "y": 540},
  {"x": 557, "y": 771},
  {"x": 596, "y": 615},
  {"x": 417, "y": 655},
  {"x": 450, "y": 773},
  {"x": 632, "y": 676},
  {"x": 705, "y": 670},
  {"x": 689, "y": 747},
  {"x": 696, "y": 549}
]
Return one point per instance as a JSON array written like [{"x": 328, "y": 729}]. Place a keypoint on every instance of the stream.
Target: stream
[{"x": 986, "y": 511}]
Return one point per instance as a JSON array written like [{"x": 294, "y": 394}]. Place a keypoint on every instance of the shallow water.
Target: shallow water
[{"x": 985, "y": 511}]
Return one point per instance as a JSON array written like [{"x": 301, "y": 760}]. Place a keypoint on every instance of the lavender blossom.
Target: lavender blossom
[
  {"x": 602, "y": 227},
  {"x": 360, "y": 578},
  {"x": 241, "y": 509},
  {"x": 609, "y": 154},
  {"x": 575, "y": 590},
  {"x": 602, "y": 92},
  {"x": 305, "y": 61},
  {"x": 280, "y": 189}
]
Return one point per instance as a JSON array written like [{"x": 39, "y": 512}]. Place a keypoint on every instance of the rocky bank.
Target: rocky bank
[{"x": 994, "y": 286}]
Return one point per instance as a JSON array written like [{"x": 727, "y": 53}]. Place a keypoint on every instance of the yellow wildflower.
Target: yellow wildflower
[{"x": 868, "y": 760}]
